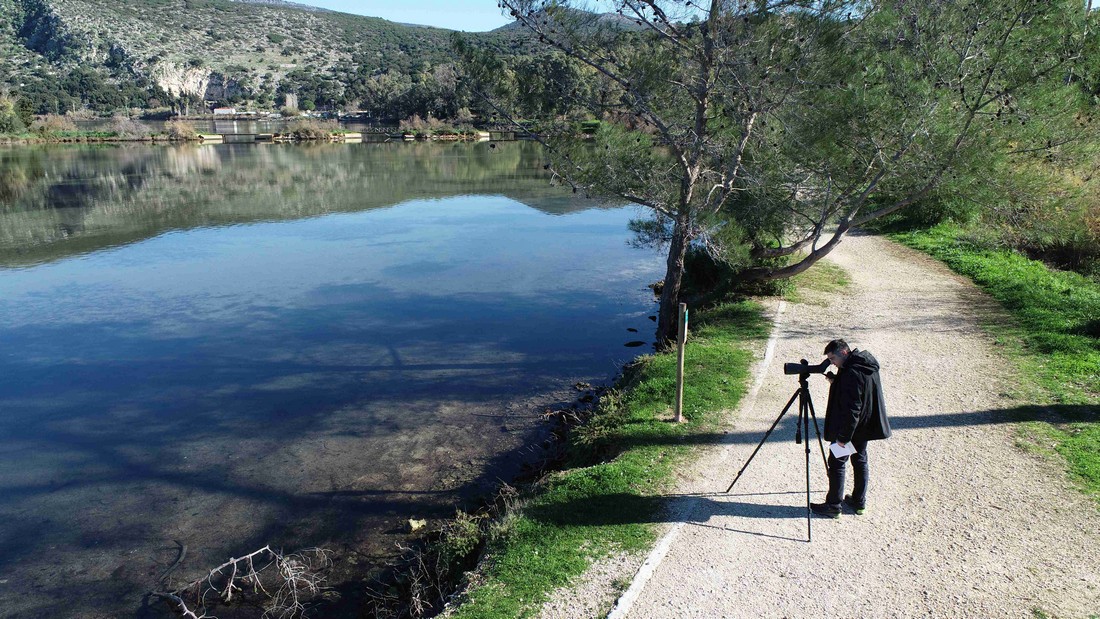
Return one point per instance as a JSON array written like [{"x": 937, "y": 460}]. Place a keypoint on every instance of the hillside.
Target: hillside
[{"x": 104, "y": 54}]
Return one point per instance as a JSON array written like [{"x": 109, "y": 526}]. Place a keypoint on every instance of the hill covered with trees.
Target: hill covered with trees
[{"x": 59, "y": 56}]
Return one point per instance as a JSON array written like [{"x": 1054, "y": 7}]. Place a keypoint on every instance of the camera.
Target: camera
[{"x": 804, "y": 367}]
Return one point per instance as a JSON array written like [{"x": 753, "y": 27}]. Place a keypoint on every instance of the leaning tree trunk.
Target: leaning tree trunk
[{"x": 670, "y": 295}]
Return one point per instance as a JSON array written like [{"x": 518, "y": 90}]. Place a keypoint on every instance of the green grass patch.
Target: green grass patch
[
  {"x": 1056, "y": 313},
  {"x": 88, "y": 134},
  {"x": 819, "y": 285},
  {"x": 620, "y": 463},
  {"x": 1077, "y": 442},
  {"x": 1053, "y": 336}
]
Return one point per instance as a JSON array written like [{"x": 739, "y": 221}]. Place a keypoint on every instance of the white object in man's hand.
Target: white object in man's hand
[{"x": 839, "y": 450}]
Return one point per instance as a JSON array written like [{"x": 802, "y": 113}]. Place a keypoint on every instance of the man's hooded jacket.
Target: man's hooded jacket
[{"x": 857, "y": 409}]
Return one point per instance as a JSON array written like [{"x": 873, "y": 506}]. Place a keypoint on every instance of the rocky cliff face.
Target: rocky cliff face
[{"x": 197, "y": 82}]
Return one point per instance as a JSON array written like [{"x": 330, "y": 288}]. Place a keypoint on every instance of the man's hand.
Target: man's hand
[{"x": 829, "y": 376}]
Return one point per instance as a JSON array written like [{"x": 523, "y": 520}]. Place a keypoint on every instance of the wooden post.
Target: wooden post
[{"x": 681, "y": 339}]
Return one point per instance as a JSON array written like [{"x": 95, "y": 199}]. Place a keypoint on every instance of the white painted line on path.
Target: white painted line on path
[
  {"x": 626, "y": 601},
  {"x": 622, "y": 607}
]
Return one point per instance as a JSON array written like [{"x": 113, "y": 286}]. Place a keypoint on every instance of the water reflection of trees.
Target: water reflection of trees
[{"x": 60, "y": 201}]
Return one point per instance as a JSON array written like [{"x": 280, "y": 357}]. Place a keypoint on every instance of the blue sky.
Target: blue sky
[{"x": 468, "y": 15}]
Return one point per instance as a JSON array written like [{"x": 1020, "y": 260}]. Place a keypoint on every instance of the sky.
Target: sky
[{"x": 467, "y": 15}]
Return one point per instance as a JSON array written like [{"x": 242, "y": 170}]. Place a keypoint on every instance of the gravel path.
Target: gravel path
[{"x": 960, "y": 521}]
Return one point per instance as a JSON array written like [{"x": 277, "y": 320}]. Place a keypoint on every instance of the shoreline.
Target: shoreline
[
  {"x": 220, "y": 138},
  {"x": 87, "y": 139},
  {"x": 430, "y": 549}
]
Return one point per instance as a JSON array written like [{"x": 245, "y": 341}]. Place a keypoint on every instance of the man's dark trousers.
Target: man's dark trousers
[{"x": 837, "y": 469}]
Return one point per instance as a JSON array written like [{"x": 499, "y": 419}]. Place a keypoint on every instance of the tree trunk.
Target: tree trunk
[{"x": 670, "y": 295}]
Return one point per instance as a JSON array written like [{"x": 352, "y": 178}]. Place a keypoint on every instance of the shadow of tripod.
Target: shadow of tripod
[{"x": 805, "y": 412}]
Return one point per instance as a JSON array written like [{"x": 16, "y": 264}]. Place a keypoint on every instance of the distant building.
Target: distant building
[{"x": 225, "y": 111}]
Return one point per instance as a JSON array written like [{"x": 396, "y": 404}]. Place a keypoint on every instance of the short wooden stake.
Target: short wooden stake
[{"x": 681, "y": 339}]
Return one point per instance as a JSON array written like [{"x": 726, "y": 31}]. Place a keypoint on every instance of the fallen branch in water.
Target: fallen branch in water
[{"x": 295, "y": 578}]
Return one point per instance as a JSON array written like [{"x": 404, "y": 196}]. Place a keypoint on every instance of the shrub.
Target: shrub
[
  {"x": 590, "y": 126},
  {"x": 312, "y": 129},
  {"x": 1066, "y": 237},
  {"x": 127, "y": 128},
  {"x": 421, "y": 126},
  {"x": 928, "y": 213},
  {"x": 24, "y": 109},
  {"x": 458, "y": 540},
  {"x": 180, "y": 130},
  {"x": 9, "y": 116},
  {"x": 52, "y": 124},
  {"x": 464, "y": 116}
]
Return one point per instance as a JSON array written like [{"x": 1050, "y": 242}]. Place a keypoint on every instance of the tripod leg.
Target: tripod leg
[
  {"x": 806, "y": 426},
  {"x": 766, "y": 435},
  {"x": 817, "y": 428}
]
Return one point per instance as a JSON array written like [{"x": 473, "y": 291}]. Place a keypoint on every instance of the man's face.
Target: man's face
[{"x": 837, "y": 358}]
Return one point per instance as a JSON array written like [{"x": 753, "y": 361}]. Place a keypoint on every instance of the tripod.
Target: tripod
[{"x": 805, "y": 412}]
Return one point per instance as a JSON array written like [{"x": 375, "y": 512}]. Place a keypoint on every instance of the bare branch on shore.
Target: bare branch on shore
[{"x": 282, "y": 583}]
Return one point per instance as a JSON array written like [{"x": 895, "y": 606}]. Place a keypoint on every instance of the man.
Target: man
[{"x": 856, "y": 414}]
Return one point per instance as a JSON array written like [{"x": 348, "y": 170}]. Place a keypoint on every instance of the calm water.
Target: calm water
[{"x": 232, "y": 346}]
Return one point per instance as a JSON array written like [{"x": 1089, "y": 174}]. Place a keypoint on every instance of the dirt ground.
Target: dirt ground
[{"x": 960, "y": 521}]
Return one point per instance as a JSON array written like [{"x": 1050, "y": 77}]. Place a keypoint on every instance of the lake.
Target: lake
[{"x": 296, "y": 345}]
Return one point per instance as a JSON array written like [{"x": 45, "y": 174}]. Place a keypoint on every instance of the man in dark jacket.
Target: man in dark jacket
[{"x": 856, "y": 414}]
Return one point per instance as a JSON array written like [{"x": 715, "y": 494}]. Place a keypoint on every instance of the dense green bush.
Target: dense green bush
[
  {"x": 713, "y": 281},
  {"x": 10, "y": 122}
]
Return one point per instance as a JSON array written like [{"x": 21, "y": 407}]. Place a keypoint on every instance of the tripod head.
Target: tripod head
[{"x": 803, "y": 369}]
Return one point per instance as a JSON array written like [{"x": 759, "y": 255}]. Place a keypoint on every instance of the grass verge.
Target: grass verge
[
  {"x": 1054, "y": 337},
  {"x": 819, "y": 285},
  {"x": 618, "y": 464}
]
